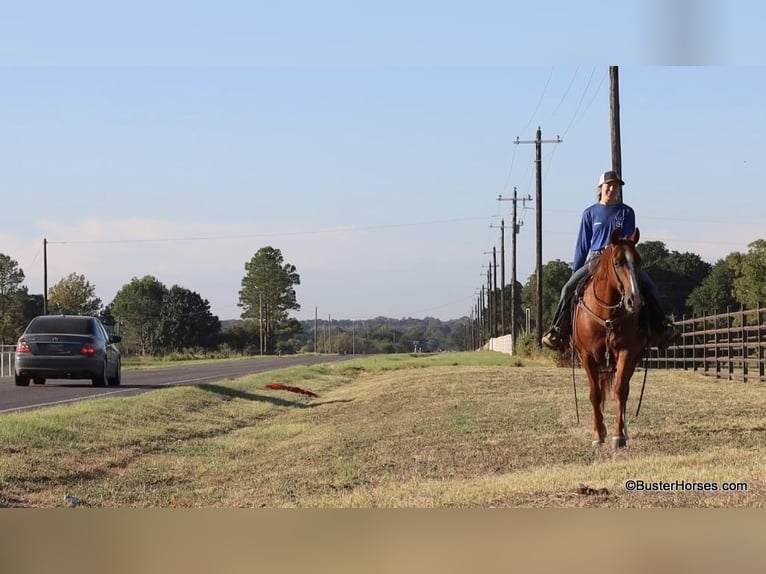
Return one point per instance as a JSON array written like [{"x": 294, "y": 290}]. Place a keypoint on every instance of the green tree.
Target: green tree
[
  {"x": 715, "y": 293},
  {"x": 675, "y": 274},
  {"x": 268, "y": 293},
  {"x": 73, "y": 295},
  {"x": 555, "y": 274},
  {"x": 652, "y": 254},
  {"x": 750, "y": 274},
  {"x": 186, "y": 321},
  {"x": 242, "y": 337},
  {"x": 138, "y": 306},
  {"x": 14, "y": 299}
]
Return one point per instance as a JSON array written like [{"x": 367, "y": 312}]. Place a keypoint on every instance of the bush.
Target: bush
[{"x": 526, "y": 345}]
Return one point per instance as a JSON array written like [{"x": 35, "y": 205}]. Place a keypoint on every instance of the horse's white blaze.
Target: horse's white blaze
[{"x": 633, "y": 280}]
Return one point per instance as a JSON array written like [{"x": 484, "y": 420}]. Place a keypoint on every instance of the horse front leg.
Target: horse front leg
[
  {"x": 623, "y": 374},
  {"x": 597, "y": 396}
]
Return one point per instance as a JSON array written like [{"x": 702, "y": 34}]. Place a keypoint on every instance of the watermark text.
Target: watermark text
[{"x": 683, "y": 486}]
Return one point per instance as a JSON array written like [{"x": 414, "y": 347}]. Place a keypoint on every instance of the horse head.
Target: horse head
[{"x": 623, "y": 257}]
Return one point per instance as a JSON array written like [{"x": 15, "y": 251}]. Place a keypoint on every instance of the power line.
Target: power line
[{"x": 274, "y": 234}]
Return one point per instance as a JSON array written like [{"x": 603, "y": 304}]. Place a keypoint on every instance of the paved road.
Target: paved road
[{"x": 59, "y": 391}]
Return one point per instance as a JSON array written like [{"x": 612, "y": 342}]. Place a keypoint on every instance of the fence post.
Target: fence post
[
  {"x": 729, "y": 346},
  {"x": 715, "y": 348},
  {"x": 744, "y": 343}
]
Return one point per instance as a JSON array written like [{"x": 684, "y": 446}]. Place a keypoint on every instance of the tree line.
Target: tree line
[
  {"x": 159, "y": 320},
  {"x": 154, "y": 319},
  {"x": 687, "y": 284}
]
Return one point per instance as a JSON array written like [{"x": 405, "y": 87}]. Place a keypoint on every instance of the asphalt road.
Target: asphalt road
[{"x": 61, "y": 391}]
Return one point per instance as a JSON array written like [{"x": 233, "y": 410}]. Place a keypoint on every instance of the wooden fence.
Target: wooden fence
[{"x": 729, "y": 346}]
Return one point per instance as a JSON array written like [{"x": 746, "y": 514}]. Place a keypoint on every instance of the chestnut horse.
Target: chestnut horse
[{"x": 606, "y": 331}]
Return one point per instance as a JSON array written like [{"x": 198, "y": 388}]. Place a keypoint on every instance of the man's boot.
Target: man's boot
[
  {"x": 557, "y": 337},
  {"x": 552, "y": 339}
]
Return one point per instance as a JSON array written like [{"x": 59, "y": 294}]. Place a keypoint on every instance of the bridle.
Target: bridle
[{"x": 604, "y": 305}]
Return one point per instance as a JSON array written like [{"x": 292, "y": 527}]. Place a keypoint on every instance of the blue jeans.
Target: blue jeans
[{"x": 645, "y": 284}]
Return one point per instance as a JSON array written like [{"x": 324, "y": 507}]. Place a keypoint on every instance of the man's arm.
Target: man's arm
[{"x": 582, "y": 246}]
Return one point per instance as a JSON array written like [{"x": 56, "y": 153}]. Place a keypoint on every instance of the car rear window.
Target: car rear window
[{"x": 62, "y": 325}]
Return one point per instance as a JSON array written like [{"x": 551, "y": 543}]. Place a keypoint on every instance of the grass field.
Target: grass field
[{"x": 449, "y": 430}]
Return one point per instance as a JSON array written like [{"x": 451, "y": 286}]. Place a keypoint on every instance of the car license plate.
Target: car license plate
[{"x": 54, "y": 348}]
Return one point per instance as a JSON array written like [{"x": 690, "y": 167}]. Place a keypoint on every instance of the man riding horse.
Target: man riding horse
[{"x": 596, "y": 226}]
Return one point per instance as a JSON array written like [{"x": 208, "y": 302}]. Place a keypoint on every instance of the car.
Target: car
[{"x": 67, "y": 347}]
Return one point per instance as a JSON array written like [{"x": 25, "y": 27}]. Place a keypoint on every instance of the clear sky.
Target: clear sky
[{"x": 368, "y": 144}]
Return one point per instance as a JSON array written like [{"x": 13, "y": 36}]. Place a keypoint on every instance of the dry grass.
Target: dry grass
[{"x": 455, "y": 430}]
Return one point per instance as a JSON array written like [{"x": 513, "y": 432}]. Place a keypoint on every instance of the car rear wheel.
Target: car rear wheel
[
  {"x": 21, "y": 381},
  {"x": 116, "y": 380},
  {"x": 39, "y": 380},
  {"x": 100, "y": 379}
]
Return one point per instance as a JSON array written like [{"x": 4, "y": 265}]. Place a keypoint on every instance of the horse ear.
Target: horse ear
[
  {"x": 615, "y": 236},
  {"x": 635, "y": 235}
]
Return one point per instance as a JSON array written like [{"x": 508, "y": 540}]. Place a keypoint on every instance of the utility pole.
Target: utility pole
[
  {"x": 494, "y": 289},
  {"x": 260, "y": 321},
  {"x": 538, "y": 141},
  {"x": 515, "y": 227},
  {"x": 489, "y": 314},
  {"x": 316, "y": 309},
  {"x": 503, "y": 329},
  {"x": 481, "y": 316},
  {"x": 45, "y": 276},
  {"x": 614, "y": 109},
  {"x": 490, "y": 304},
  {"x": 493, "y": 314}
]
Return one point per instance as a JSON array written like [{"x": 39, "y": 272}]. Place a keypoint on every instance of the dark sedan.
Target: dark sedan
[{"x": 67, "y": 347}]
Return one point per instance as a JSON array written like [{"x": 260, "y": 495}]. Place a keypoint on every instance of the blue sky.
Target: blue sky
[{"x": 368, "y": 144}]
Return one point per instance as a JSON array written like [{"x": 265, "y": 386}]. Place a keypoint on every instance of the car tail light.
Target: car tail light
[
  {"x": 88, "y": 349},
  {"x": 22, "y": 346}
]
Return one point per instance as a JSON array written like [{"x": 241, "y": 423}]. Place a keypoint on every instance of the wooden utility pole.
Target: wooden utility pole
[
  {"x": 538, "y": 141},
  {"x": 482, "y": 316},
  {"x": 490, "y": 314},
  {"x": 515, "y": 227},
  {"x": 614, "y": 109},
  {"x": 503, "y": 329},
  {"x": 45, "y": 276},
  {"x": 502, "y": 278},
  {"x": 494, "y": 291}
]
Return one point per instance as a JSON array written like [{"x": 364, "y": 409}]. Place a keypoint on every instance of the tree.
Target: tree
[
  {"x": 652, "y": 254},
  {"x": 715, "y": 293},
  {"x": 268, "y": 293},
  {"x": 675, "y": 274},
  {"x": 137, "y": 306},
  {"x": 186, "y": 321},
  {"x": 73, "y": 295},
  {"x": 555, "y": 274},
  {"x": 750, "y": 274},
  {"x": 242, "y": 337},
  {"x": 13, "y": 300}
]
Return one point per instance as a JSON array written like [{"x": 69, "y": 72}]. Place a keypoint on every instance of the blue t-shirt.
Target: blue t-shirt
[{"x": 596, "y": 226}]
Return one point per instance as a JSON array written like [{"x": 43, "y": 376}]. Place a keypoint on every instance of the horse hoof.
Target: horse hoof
[
  {"x": 598, "y": 442},
  {"x": 619, "y": 442}
]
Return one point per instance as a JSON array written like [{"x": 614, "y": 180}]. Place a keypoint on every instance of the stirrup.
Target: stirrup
[{"x": 553, "y": 339}]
